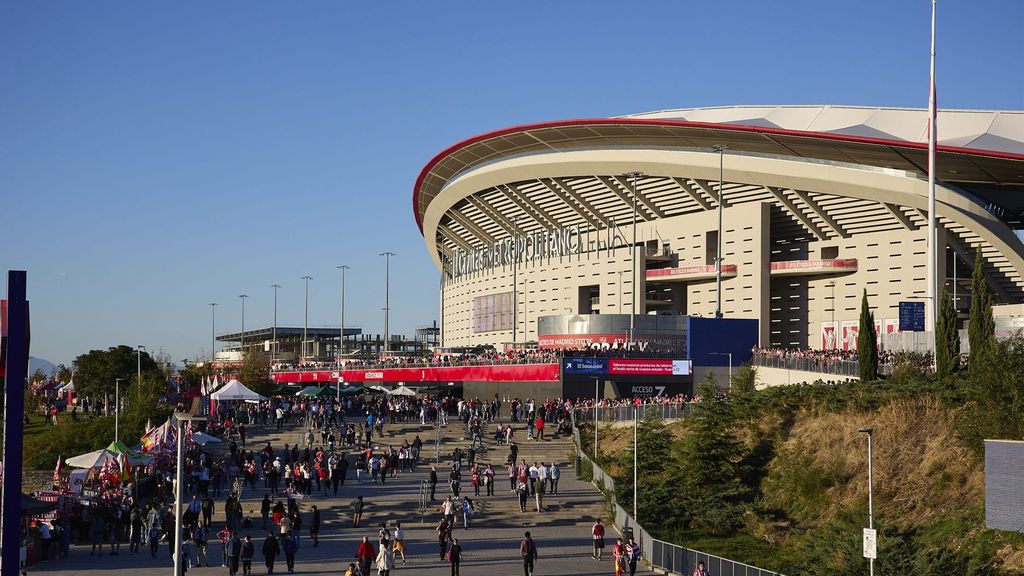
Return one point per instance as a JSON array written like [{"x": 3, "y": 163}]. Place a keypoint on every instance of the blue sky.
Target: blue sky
[{"x": 156, "y": 157}]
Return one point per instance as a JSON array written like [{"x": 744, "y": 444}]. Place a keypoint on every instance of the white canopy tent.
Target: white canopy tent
[
  {"x": 402, "y": 390},
  {"x": 204, "y": 438},
  {"x": 69, "y": 387},
  {"x": 379, "y": 388},
  {"x": 92, "y": 459},
  {"x": 235, "y": 390}
]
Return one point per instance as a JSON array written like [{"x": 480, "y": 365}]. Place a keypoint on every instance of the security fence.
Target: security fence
[
  {"x": 665, "y": 556},
  {"x": 625, "y": 413}
]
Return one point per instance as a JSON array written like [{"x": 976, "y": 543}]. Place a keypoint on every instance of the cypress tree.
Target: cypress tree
[
  {"x": 947, "y": 339},
  {"x": 867, "y": 343},
  {"x": 981, "y": 327}
]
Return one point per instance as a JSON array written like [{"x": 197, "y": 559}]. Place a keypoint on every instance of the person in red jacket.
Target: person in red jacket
[{"x": 366, "y": 554}]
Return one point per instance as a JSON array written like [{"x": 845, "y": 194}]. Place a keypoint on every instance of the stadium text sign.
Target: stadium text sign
[{"x": 531, "y": 246}]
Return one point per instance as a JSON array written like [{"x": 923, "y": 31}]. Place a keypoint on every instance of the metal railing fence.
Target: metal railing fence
[{"x": 661, "y": 555}]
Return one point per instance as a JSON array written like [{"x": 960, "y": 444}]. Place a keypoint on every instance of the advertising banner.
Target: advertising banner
[
  {"x": 495, "y": 373},
  {"x": 850, "y": 330},
  {"x": 648, "y": 367},
  {"x": 828, "y": 336},
  {"x": 612, "y": 341},
  {"x": 586, "y": 365}
]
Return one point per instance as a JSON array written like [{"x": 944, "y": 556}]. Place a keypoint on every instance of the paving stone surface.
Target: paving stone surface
[{"x": 490, "y": 545}]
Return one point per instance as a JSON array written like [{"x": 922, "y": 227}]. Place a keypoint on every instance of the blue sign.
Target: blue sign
[
  {"x": 911, "y": 316},
  {"x": 585, "y": 365}
]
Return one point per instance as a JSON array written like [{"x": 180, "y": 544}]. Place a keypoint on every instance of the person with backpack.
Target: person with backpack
[
  {"x": 270, "y": 551},
  {"x": 248, "y": 550},
  {"x": 290, "y": 546},
  {"x": 528, "y": 551}
]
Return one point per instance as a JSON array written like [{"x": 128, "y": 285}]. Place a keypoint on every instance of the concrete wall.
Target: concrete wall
[{"x": 780, "y": 376}]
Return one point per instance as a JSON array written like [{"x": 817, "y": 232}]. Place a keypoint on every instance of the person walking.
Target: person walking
[
  {"x": 265, "y": 507},
  {"x": 271, "y": 549},
  {"x": 234, "y": 546},
  {"x": 314, "y": 527},
  {"x": 365, "y": 554},
  {"x": 385, "y": 561},
  {"x": 619, "y": 557},
  {"x": 597, "y": 531},
  {"x": 700, "y": 571},
  {"x": 357, "y": 511},
  {"x": 467, "y": 512},
  {"x": 632, "y": 555},
  {"x": 200, "y": 537},
  {"x": 553, "y": 475},
  {"x": 399, "y": 547},
  {"x": 455, "y": 556},
  {"x": 444, "y": 534},
  {"x": 290, "y": 546},
  {"x": 528, "y": 551},
  {"x": 433, "y": 482},
  {"x": 248, "y": 551}
]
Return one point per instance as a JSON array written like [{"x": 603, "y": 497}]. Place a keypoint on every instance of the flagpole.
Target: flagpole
[{"x": 932, "y": 216}]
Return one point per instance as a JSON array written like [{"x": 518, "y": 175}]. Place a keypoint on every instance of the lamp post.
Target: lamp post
[
  {"x": 515, "y": 278},
  {"x": 729, "y": 354},
  {"x": 632, "y": 310},
  {"x": 138, "y": 369},
  {"x": 597, "y": 384},
  {"x": 117, "y": 407},
  {"x": 305, "y": 320},
  {"x": 213, "y": 331},
  {"x": 242, "y": 297},
  {"x": 273, "y": 343},
  {"x": 933, "y": 251},
  {"x": 178, "y": 481},
  {"x": 341, "y": 319},
  {"x": 387, "y": 289},
  {"x": 955, "y": 306},
  {"x": 871, "y": 509},
  {"x": 636, "y": 410},
  {"x": 835, "y": 330},
  {"x": 720, "y": 148}
]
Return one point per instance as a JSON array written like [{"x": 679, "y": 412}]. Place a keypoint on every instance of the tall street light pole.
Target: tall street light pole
[
  {"x": 871, "y": 509},
  {"x": 341, "y": 320},
  {"x": 632, "y": 310},
  {"x": 213, "y": 331},
  {"x": 720, "y": 148},
  {"x": 933, "y": 251},
  {"x": 387, "y": 289},
  {"x": 242, "y": 297},
  {"x": 515, "y": 278},
  {"x": 273, "y": 344},
  {"x": 597, "y": 394},
  {"x": 729, "y": 354},
  {"x": 175, "y": 539},
  {"x": 305, "y": 320},
  {"x": 117, "y": 408},
  {"x": 138, "y": 368},
  {"x": 835, "y": 329}
]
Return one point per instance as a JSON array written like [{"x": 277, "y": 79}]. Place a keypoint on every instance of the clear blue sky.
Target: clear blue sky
[{"x": 156, "y": 157}]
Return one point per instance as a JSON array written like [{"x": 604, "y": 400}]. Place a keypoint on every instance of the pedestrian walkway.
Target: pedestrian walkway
[{"x": 490, "y": 546}]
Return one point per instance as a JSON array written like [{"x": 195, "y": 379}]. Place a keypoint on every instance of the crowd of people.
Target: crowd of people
[{"x": 835, "y": 360}]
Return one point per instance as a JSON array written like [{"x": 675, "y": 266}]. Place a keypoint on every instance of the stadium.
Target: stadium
[{"x": 606, "y": 232}]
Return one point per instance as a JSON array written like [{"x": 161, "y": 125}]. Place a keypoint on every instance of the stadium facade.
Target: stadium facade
[{"x": 532, "y": 227}]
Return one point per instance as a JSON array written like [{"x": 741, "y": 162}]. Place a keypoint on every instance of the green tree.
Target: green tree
[
  {"x": 96, "y": 370},
  {"x": 255, "y": 374},
  {"x": 64, "y": 374},
  {"x": 654, "y": 459},
  {"x": 981, "y": 327},
  {"x": 947, "y": 339},
  {"x": 711, "y": 486},
  {"x": 995, "y": 398},
  {"x": 867, "y": 342},
  {"x": 744, "y": 381}
]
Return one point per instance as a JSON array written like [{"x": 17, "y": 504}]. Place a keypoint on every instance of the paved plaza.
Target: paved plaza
[{"x": 490, "y": 546}]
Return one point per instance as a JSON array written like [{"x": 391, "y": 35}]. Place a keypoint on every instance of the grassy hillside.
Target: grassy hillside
[{"x": 800, "y": 497}]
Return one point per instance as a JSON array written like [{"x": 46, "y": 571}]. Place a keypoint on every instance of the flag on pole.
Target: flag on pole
[{"x": 56, "y": 473}]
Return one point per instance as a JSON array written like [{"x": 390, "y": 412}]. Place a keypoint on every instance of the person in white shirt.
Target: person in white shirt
[
  {"x": 533, "y": 479},
  {"x": 553, "y": 475}
]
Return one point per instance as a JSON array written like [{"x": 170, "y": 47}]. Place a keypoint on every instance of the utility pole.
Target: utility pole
[
  {"x": 341, "y": 320},
  {"x": 387, "y": 290},
  {"x": 720, "y": 148},
  {"x": 305, "y": 321},
  {"x": 633, "y": 176},
  {"x": 273, "y": 345}
]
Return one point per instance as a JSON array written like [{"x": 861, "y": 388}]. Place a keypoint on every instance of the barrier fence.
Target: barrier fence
[
  {"x": 810, "y": 364},
  {"x": 667, "y": 411},
  {"x": 661, "y": 555}
]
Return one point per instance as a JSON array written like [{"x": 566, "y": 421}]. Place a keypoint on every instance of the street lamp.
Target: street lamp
[
  {"x": 720, "y": 148},
  {"x": 305, "y": 320},
  {"x": 213, "y": 331},
  {"x": 273, "y": 344},
  {"x": 632, "y": 258},
  {"x": 597, "y": 395},
  {"x": 117, "y": 407},
  {"x": 138, "y": 367},
  {"x": 871, "y": 509},
  {"x": 835, "y": 329},
  {"x": 242, "y": 345},
  {"x": 636, "y": 410},
  {"x": 341, "y": 320},
  {"x": 729, "y": 354},
  {"x": 515, "y": 278},
  {"x": 387, "y": 289},
  {"x": 175, "y": 540}
]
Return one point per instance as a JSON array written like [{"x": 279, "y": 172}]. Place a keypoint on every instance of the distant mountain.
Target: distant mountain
[{"x": 40, "y": 364}]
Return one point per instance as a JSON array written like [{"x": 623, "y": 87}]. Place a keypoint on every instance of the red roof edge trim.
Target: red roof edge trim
[{"x": 710, "y": 125}]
